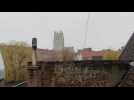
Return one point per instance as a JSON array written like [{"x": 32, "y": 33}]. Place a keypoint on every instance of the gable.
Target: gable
[{"x": 128, "y": 52}]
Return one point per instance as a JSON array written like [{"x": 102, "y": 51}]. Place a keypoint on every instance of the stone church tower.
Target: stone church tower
[{"x": 58, "y": 42}]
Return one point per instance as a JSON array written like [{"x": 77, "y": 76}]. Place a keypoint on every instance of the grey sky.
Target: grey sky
[{"x": 105, "y": 29}]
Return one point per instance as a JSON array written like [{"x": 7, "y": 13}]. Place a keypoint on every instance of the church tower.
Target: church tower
[{"x": 58, "y": 42}]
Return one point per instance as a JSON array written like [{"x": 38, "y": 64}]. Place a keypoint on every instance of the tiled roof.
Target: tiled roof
[
  {"x": 45, "y": 55},
  {"x": 128, "y": 52},
  {"x": 90, "y": 54}
]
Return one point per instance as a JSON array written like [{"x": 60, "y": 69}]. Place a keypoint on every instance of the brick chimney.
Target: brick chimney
[{"x": 34, "y": 70}]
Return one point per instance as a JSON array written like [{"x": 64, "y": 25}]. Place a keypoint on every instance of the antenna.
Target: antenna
[{"x": 86, "y": 31}]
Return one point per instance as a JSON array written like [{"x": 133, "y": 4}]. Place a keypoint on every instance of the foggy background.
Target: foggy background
[{"x": 105, "y": 29}]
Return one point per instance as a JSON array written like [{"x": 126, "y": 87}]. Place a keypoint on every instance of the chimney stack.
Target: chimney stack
[{"x": 34, "y": 51}]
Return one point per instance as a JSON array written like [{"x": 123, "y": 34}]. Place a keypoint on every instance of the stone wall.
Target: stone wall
[{"x": 76, "y": 73}]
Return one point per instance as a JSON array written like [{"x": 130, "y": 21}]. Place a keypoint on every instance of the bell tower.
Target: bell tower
[{"x": 58, "y": 42}]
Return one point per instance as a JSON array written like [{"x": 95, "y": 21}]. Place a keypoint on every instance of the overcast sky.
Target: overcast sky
[{"x": 105, "y": 29}]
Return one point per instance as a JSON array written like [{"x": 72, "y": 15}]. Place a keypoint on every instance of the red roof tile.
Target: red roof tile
[{"x": 89, "y": 54}]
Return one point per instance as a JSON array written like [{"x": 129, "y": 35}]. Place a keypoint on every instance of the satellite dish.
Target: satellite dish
[{"x": 2, "y": 68}]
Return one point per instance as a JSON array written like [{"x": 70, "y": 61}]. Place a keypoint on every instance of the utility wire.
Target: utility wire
[{"x": 86, "y": 31}]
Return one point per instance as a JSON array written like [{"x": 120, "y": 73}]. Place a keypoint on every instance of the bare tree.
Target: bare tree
[{"x": 16, "y": 55}]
